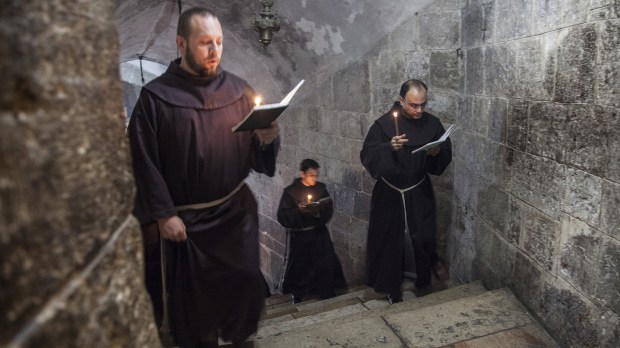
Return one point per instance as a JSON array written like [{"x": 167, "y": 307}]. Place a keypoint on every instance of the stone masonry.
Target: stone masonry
[
  {"x": 71, "y": 254},
  {"x": 532, "y": 198}
]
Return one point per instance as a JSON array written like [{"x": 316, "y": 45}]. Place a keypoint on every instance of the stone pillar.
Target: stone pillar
[{"x": 70, "y": 251}]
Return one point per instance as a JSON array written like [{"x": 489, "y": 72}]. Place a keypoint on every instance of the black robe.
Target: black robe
[
  {"x": 386, "y": 246},
  {"x": 184, "y": 152},
  {"x": 311, "y": 266}
]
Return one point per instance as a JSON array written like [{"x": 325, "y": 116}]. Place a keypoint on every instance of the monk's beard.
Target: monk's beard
[{"x": 197, "y": 67}]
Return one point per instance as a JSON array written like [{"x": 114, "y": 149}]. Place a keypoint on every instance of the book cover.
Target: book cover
[{"x": 261, "y": 116}]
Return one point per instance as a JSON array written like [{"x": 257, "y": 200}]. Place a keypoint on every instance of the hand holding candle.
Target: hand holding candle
[{"x": 398, "y": 140}]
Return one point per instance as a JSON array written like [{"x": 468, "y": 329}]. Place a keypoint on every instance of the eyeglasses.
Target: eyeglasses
[{"x": 415, "y": 106}]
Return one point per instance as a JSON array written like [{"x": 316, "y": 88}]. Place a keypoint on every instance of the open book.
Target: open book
[
  {"x": 321, "y": 202},
  {"x": 443, "y": 138},
  {"x": 261, "y": 116}
]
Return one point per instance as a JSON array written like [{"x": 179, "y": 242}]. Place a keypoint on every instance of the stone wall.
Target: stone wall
[
  {"x": 531, "y": 199},
  {"x": 536, "y": 171},
  {"x": 330, "y": 123},
  {"x": 71, "y": 255}
]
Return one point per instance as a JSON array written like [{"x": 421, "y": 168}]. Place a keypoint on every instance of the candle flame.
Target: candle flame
[
  {"x": 257, "y": 101},
  {"x": 395, "y": 114},
  {"x": 309, "y": 198}
]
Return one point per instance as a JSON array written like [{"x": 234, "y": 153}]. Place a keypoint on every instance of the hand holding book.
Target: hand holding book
[{"x": 437, "y": 142}]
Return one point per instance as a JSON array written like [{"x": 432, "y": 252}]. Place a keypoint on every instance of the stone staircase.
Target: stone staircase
[{"x": 461, "y": 316}]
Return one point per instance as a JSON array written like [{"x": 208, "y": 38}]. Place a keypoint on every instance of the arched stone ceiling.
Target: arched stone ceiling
[{"x": 317, "y": 37}]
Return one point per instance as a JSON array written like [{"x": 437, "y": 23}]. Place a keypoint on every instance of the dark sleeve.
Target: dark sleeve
[
  {"x": 377, "y": 155},
  {"x": 288, "y": 213},
  {"x": 436, "y": 165},
  {"x": 263, "y": 158},
  {"x": 153, "y": 199}
]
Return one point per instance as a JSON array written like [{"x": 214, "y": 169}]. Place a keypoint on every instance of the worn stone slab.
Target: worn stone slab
[
  {"x": 444, "y": 104},
  {"x": 610, "y": 219},
  {"x": 548, "y": 128},
  {"x": 455, "y": 321},
  {"x": 306, "y": 307},
  {"x": 324, "y": 307},
  {"x": 576, "y": 65},
  {"x": 494, "y": 207},
  {"x": 584, "y": 194},
  {"x": 612, "y": 171},
  {"x": 529, "y": 336},
  {"x": 500, "y": 64},
  {"x": 418, "y": 65},
  {"x": 403, "y": 37},
  {"x": 514, "y": 19},
  {"x": 382, "y": 100},
  {"x": 371, "y": 332},
  {"x": 494, "y": 162},
  {"x": 517, "y": 124},
  {"x": 608, "y": 291},
  {"x": 540, "y": 236},
  {"x": 474, "y": 70},
  {"x": 351, "y": 88},
  {"x": 445, "y": 70},
  {"x": 579, "y": 254},
  {"x": 588, "y": 147},
  {"x": 388, "y": 68},
  {"x": 478, "y": 24},
  {"x": 497, "y": 120},
  {"x": 526, "y": 277},
  {"x": 539, "y": 182},
  {"x": 535, "y": 69},
  {"x": 608, "y": 73},
  {"x": 441, "y": 29},
  {"x": 266, "y": 321},
  {"x": 279, "y": 328}
]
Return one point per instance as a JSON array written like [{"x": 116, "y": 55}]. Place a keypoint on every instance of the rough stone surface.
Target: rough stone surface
[
  {"x": 439, "y": 30},
  {"x": 445, "y": 70},
  {"x": 351, "y": 88},
  {"x": 610, "y": 219},
  {"x": 535, "y": 71},
  {"x": 540, "y": 235},
  {"x": 517, "y": 124},
  {"x": 474, "y": 71},
  {"x": 583, "y": 196},
  {"x": 500, "y": 70},
  {"x": 478, "y": 23},
  {"x": 608, "y": 73},
  {"x": 587, "y": 145},
  {"x": 66, "y": 184},
  {"x": 515, "y": 19},
  {"x": 576, "y": 65},
  {"x": 547, "y": 130}
]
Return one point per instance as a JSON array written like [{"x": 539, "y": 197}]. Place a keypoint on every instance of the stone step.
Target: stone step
[
  {"x": 483, "y": 320},
  {"x": 358, "y": 311}
]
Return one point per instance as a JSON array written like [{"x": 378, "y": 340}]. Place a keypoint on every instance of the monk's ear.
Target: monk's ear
[{"x": 181, "y": 43}]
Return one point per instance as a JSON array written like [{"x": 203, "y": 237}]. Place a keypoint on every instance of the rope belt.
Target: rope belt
[
  {"x": 402, "y": 195},
  {"x": 212, "y": 203}
]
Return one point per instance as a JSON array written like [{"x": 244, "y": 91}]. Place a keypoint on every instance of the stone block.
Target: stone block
[
  {"x": 587, "y": 142},
  {"x": 445, "y": 70},
  {"x": 474, "y": 70},
  {"x": 535, "y": 70},
  {"x": 547, "y": 136},
  {"x": 603, "y": 11},
  {"x": 358, "y": 237},
  {"x": 418, "y": 66},
  {"x": 361, "y": 209},
  {"x": 494, "y": 162},
  {"x": 350, "y": 125},
  {"x": 567, "y": 315},
  {"x": 497, "y": 120},
  {"x": 517, "y": 124},
  {"x": 311, "y": 121},
  {"x": 584, "y": 195},
  {"x": 477, "y": 26},
  {"x": 368, "y": 183},
  {"x": 515, "y": 18},
  {"x": 526, "y": 281},
  {"x": 352, "y": 176},
  {"x": 540, "y": 237},
  {"x": 608, "y": 289},
  {"x": 333, "y": 169},
  {"x": 612, "y": 115},
  {"x": 500, "y": 64},
  {"x": 344, "y": 199},
  {"x": 340, "y": 238},
  {"x": 443, "y": 104},
  {"x": 494, "y": 207},
  {"x": 351, "y": 88},
  {"x": 329, "y": 121},
  {"x": 289, "y": 136},
  {"x": 516, "y": 217},
  {"x": 607, "y": 72},
  {"x": 403, "y": 37},
  {"x": 576, "y": 65},
  {"x": 355, "y": 147},
  {"x": 388, "y": 69},
  {"x": 461, "y": 245},
  {"x": 102, "y": 305},
  {"x": 539, "y": 182},
  {"x": 382, "y": 99},
  {"x": 474, "y": 114},
  {"x": 494, "y": 257},
  {"x": 610, "y": 219},
  {"x": 547, "y": 16},
  {"x": 579, "y": 255},
  {"x": 439, "y": 30}
]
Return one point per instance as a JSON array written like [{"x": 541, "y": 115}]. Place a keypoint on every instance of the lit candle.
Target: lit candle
[
  {"x": 396, "y": 122},
  {"x": 257, "y": 101},
  {"x": 309, "y": 199}
]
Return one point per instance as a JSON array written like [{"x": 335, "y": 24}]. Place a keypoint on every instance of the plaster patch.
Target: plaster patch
[{"x": 323, "y": 39}]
